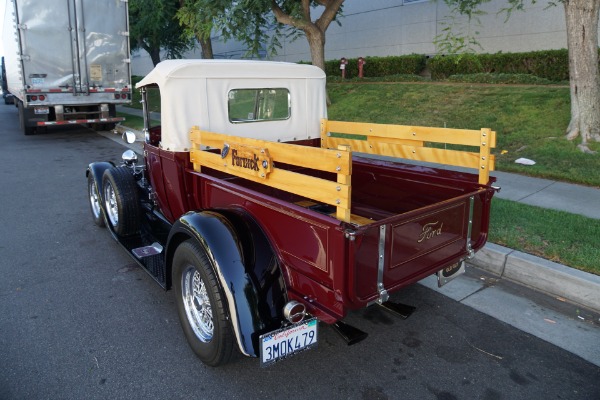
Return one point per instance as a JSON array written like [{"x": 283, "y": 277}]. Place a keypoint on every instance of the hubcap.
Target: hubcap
[
  {"x": 112, "y": 209},
  {"x": 197, "y": 304},
  {"x": 94, "y": 200}
]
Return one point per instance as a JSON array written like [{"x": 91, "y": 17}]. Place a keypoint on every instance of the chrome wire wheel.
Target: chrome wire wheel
[
  {"x": 201, "y": 305},
  {"x": 112, "y": 208},
  {"x": 197, "y": 304},
  {"x": 94, "y": 199}
]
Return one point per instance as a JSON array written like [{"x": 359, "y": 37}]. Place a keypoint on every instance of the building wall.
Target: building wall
[{"x": 398, "y": 27}]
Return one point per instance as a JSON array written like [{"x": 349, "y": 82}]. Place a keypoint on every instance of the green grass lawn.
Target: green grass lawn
[
  {"x": 541, "y": 232},
  {"x": 530, "y": 122}
]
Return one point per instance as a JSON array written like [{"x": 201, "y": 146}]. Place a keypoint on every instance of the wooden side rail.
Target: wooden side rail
[
  {"x": 256, "y": 160},
  {"x": 410, "y": 142}
]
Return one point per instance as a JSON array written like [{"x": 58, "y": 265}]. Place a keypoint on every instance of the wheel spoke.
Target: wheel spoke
[
  {"x": 112, "y": 208},
  {"x": 94, "y": 200},
  {"x": 197, "y": 304}
]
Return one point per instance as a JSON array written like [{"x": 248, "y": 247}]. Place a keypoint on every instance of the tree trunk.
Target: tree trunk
[
  {"x": 206, "y": 46},
  {"x": 314, "y": 31},
  {"x": 582, "y": 39},
  {"x": 316, "y": 43},
  {"x": 154, "y": 55}
]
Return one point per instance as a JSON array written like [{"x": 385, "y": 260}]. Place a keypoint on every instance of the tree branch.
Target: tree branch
[
  {"x": 331, "y": 9},
  {"x": 306, "y": 10},
  {"x": 284, "y": 18}
]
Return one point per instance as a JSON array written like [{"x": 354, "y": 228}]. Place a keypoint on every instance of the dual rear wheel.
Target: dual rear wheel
[{"x": 120, "y": 200}]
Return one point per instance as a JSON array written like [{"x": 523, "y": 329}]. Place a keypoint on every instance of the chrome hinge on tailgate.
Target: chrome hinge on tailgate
[
  {"x": 399, "y": 309},
  {"x": 470, "y": 251},
  {"x": 383, "y": 294}
]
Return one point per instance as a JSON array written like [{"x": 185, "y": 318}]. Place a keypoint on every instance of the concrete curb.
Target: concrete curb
[{"x": 542, "y": 275}]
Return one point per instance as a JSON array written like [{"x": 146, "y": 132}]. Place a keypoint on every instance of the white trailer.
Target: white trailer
[{"x": 67, "y": 61}]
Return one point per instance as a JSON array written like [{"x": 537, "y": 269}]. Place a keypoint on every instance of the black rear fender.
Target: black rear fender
[{"x": 245, "y": 265}]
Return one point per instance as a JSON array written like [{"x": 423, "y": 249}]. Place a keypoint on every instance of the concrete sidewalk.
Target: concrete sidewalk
[
  {"x": 548, "y": 277},
  {"x": 575, "y": 199}
]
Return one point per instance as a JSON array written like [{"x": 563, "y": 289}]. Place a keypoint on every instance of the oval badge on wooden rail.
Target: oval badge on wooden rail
[{"x": 248, "y": 160}]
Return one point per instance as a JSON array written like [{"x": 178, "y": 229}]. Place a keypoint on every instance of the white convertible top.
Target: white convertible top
[{"x": 196, "y": 92}]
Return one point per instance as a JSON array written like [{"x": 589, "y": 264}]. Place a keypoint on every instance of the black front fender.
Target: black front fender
[
  {"x": 254, "y": 302},
  {"x": 97, "y": 169}
]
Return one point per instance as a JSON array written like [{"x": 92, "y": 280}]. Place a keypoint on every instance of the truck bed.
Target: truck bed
[
  {"x": 409, "y": 220},
  {"x": 380, "y": 189}
]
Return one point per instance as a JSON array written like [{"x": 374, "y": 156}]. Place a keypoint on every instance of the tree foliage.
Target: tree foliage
[
  {"x": 197, "y": 19},
  {"x": 260, "y": 24},
  {"x": 153, "y": 28}
]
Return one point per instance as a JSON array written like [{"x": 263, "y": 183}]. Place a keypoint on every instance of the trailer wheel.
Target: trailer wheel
[
  {"x": 121, "y": 201},
  {"x": 27, "y": 130},
  {"x": 95, "y": 200},
  {"x": 201, "y": 305}
]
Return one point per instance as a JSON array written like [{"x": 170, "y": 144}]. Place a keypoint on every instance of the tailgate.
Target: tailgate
[{"x": 400, "y": 250}]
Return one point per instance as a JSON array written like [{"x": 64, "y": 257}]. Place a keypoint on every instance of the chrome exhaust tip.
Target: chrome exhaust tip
[{"x": 294, "y": 311}]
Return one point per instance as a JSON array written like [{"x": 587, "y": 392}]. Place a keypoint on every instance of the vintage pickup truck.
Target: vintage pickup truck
[{"x": 265, "y": 217}]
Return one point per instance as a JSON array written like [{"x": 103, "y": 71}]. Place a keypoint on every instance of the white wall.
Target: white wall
[{"x": 389, "y": 27}]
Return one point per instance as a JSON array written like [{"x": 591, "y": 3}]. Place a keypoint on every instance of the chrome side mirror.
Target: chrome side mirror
[
  {"x": 129, "y": 157},
  {"x": 128, "y": 137}
]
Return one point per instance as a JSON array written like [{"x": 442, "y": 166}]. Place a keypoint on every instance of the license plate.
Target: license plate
[
  {"x": 447, "y": 274},
  {"x": 285, "y": 342},
  {"x": 35, "y": 82},
  {"x": 41, "y": 110}
]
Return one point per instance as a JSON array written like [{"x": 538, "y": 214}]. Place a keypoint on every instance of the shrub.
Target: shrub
[
  {"x": 548, "y": 64},
  {"x": 411, "y": 64}
]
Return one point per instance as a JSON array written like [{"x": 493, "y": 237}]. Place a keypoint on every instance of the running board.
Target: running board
[
  {"x": 147, "y": 251},
  {"x": 402, "y": 310},
  {"x": 151, "y": 258},
  {"x": 350, "y": 334}
]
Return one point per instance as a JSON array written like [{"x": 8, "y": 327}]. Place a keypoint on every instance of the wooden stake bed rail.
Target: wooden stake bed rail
[
  {"x": 256, "y": 160},
  {"x": 409, "y": 142}
]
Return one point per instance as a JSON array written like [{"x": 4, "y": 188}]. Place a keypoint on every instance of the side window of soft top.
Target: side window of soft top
[{"x": 253, "y": 105}]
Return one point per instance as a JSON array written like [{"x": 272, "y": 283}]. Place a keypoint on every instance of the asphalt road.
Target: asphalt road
[{"x": 79, "y": 319}]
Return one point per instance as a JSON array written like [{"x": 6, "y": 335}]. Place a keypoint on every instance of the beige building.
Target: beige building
[{"x": 398, "y": 27}]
